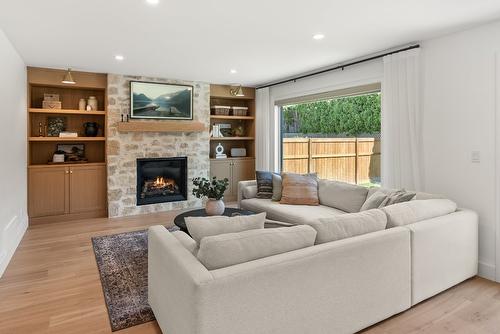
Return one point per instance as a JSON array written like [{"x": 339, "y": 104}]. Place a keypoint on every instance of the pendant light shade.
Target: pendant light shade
[
  {"x": 237, "y": 92},
  {"x": 68, "y": 78}
]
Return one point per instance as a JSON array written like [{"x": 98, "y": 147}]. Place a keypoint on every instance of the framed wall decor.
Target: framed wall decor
[{"x": 154, "y": 100}]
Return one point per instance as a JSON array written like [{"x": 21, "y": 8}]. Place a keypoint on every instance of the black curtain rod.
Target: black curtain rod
[{"x": 416, "y": 46}]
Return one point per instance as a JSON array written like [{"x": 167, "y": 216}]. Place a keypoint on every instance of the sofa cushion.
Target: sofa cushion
[
  {"x": 186, "y": 241},
  {"x": 414, "y": 211},
  {"x": 264, "y": 184},
  {"x": 229, "y": 249},
  {"x": 299, "y": 189},
  {"x": 349, "y": 225},
  {"x": 340, "y": 195},
  {"x": 293, "y": 214},
  {"x": 200, "y": 227},
  {"x": 277, "y": 187}
]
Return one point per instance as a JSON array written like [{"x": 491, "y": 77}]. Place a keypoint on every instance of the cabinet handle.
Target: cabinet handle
[
  {"x": 71, "y": 172},
  {"x": 67, "y": 172}
]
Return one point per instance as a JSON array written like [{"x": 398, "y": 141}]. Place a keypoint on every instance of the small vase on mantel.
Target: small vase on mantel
[{"x": 214, "y": 207}]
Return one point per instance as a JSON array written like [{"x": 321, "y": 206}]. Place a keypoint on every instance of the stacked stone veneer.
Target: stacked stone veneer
[{"x": 125, "y": 147}]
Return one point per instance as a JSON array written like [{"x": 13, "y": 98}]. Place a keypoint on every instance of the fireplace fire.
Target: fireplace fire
[{"x": 161, "y": 180}]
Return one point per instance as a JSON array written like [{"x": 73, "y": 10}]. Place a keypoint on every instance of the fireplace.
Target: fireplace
[{"x": 161, "y": 180}]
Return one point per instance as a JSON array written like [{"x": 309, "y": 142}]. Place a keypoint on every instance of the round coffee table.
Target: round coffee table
[{"x": 229, "y": 212}]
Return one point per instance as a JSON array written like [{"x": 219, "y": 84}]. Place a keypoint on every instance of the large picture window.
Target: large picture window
[{"x": 338, "y": 138}]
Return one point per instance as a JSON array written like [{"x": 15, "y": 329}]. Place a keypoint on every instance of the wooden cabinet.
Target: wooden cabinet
[
  {"x": 235, "y": 170},
  {"x": 67, "y": 192}
]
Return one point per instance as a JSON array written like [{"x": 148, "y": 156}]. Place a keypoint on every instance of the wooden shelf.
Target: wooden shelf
[
  {"x": 67, "y": 164},
  {"x": 59, "y": 139},
  {"x": 231, "y": 138},
  {"x": 232, "y": 117},
  {"x": 233, "y": 158},
  {"x": 65, "y": 111},
  {"x": 161, "y": 126}
]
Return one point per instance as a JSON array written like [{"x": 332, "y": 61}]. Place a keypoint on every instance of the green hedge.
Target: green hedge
[{"x": 350, "y": 116}]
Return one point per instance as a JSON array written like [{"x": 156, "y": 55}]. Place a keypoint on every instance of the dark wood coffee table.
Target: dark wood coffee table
[{"x": 229, "y": 212}]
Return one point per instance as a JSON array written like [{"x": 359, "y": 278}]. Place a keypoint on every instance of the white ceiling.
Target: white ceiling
[{"x": 204, "y": 39}]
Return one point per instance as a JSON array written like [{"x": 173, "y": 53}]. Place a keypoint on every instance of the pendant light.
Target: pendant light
[{"x": 68, "y": 78}]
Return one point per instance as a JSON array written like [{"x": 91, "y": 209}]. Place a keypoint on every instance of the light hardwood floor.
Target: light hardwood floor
[{"x": 52, "y": 286}]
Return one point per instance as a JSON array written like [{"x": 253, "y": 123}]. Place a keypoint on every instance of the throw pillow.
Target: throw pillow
[
  {"x": 374, "y": 201},
  {"x": 398, "y": 196},
  {"x": 250, "y": 192},
  {"x": 299, "y": 189},
  {"x": 349, "y": 225},
  {"x": 414, "y": 211},
  {"x": 264, "y": 184},
  {"x": 200, "y": 227},
  {"x": 340, "y": 195},
  {"x": 277, "y": 187},
  {"x": 229, "y": 249},
  {"x": 186, "y": 241}
]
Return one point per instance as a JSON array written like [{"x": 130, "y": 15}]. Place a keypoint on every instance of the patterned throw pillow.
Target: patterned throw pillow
[
  {"x": 398, "y": 196},
  {"x": 264, "y": 184},
  {"x": 299, "y": 189}
]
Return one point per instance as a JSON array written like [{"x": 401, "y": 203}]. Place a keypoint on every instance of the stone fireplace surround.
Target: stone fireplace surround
[{"x": 124, "y": 148}]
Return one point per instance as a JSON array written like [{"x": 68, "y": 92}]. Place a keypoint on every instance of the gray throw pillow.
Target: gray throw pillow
[
  {"x": 374, "y": 201},
  {"x": 398, "y": 196},
  {"x": 264, "y": 184},
  {"x": 277, "y": 187}
]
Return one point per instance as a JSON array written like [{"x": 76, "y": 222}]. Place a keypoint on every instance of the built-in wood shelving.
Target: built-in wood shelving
[
  {"x": 232, "y": 117},
  {"x": 231, "y": 138},
  {"x": 65, "y": 111},
  {"x": 65, "y": 139}
]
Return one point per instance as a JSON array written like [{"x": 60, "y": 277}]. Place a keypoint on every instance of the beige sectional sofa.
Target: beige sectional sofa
[{"x": 341, "y": 286}]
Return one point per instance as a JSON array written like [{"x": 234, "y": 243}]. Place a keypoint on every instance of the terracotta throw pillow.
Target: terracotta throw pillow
[{"x": 299, "y": 189}]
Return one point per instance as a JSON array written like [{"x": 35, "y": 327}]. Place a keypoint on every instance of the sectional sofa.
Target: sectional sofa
[{"x": 340, "y": 286}]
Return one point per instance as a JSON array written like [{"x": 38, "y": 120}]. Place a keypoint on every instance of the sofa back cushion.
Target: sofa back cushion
[
  {"x": 340, "y": 195},
  {"x": 414, "y": 211},
  {"x": 349, "y": 225},
  {"x": 229, "y": 249},
  {"x": 299, "y": 189},
  {"x": 200, "y": 227}
]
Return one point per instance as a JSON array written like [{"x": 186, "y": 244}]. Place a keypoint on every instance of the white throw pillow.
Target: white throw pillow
[
  {"x": 186, "y": 241},
  {"x": 200, "y": 227},
  {"x": 229, "y": 249},
  {"x": 250, "y": 192},
  {"x": 340, "y": 195},
  {"x": 414, "y": 211},
  {"x": 349, "y": 225}
]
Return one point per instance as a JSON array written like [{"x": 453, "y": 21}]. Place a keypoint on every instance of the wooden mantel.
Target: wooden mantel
[{"x": 161, "y": 126}]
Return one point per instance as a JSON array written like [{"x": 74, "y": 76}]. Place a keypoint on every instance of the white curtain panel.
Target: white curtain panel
[
  {"x": 263, "y": 113},
  {"x": 401, "y": 121}
]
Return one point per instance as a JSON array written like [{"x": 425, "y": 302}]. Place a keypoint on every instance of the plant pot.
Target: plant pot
[{"x": 214, "y": 207}]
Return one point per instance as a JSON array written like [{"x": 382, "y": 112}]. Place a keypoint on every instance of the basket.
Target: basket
[
  {"x": 240, "y": 111},
  {"x": 221, "y": 110}
]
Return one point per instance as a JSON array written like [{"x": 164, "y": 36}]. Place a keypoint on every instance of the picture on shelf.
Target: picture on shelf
[
  {"x": 161, "y": 101},
  {"x": 72, "y": 152}
]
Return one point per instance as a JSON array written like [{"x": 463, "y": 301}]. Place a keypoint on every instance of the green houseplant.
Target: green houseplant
[{"x": 213, "y": 190}]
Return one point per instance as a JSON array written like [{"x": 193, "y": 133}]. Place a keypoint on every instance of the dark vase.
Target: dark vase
[{"x": 91, "y": 129}]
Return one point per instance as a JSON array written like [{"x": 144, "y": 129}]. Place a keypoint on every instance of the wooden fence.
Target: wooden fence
[{"x": 353, "y": 160}]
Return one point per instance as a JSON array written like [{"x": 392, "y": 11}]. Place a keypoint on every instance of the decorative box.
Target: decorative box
[
  {"x": 238, "y": 152},
  {"x": 50, "y": 97},
  {"x": 51, "y": 105},
  {"x": 221, "y": 110},
  {"x": 240, "y": 111}
]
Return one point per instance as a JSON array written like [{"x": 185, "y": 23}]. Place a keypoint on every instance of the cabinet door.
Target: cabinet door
[
  {"x": 243, "y": 170},
  {"x": 222, "y": 169},
  {"x": 48, "y": 191},
  {"x": 87, "y": 188}
]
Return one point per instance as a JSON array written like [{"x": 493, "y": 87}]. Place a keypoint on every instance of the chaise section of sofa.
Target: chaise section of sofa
[{"x": 338, "y": 287}]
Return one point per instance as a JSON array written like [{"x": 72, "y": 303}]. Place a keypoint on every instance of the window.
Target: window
[{"x": 336, "y": 136}]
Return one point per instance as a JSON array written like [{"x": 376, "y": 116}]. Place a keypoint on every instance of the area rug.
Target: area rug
[{"x": 122, "y": 260}]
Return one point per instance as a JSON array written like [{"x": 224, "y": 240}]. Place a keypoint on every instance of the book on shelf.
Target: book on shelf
[{"x": 66, "y": 134}]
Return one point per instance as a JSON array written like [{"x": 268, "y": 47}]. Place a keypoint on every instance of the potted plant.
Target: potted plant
[{"x": 213, "y": 190}]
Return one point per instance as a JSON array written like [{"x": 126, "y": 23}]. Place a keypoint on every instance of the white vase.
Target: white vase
[{"x": 214, "y": 207}]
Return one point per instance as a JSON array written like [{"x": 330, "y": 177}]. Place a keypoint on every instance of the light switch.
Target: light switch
[{"x": 475, "y": 157}]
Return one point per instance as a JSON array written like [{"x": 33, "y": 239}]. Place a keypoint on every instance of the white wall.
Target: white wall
[
  {"x": 13, "y": 188},
  {"x": 459, "y": 117}
]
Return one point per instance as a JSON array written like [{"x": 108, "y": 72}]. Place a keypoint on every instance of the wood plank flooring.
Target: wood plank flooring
[{"x": 52, "y": 286}]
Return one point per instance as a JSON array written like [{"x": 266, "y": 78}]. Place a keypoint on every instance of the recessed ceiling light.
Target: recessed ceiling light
[
  {"x": 233, "y": 71},
  {"x": 119, "y": 57},
  {"x": 318, "y": 36},
  {"x": 153, "y": 2}
]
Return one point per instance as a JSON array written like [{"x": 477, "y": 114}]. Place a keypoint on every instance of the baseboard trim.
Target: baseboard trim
[
  {"x": 487, "y": 270},
  {"x": 14, "y": 232}
]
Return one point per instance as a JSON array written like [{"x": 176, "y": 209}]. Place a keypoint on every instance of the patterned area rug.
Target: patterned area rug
[{"x": 122, "y": 260}]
